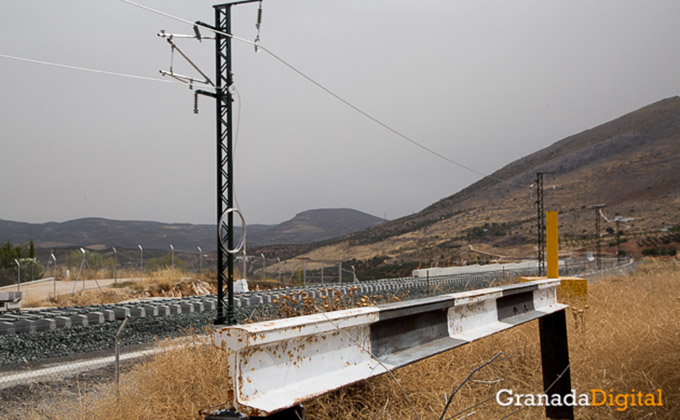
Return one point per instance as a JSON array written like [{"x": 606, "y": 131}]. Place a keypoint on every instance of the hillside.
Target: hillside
[
  {"x": 632, "y": 164},
  {"x": 98, "y": 233},
  {"x": 314, "y": 226}
]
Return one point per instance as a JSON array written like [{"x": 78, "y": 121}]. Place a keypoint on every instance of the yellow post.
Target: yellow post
[
  {"x": 573, "y": 290},
  {"x": 551, "y": 244}
]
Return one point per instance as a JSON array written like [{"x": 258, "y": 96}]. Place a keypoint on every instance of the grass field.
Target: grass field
[{"x": 626, "y": 340}]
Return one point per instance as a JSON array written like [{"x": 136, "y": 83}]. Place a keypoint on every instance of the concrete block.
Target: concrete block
[
  {"x": 6, "y": 328},
  {"x": 186, "y": 307},
  {"x": 151, "y": 310},
  {"x": 95, "y": 318},
  {"x": 137, "y": 312},
  {"x": 255, "y": 300},
  {"x": 45, "y": 324},
  {"x": 25, "y": 326},
  {"x": 163, "y": 310},
  {"x": 109, "y": 315},
  {"x": 62, "y": 321},
  {"x": 121, "y": 313},
  {"x": 79, "y": 320},
  {"x": 175, "y": 309}
]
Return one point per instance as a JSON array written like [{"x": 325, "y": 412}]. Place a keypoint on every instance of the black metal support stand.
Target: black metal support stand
[
  {"x": 555, "y": 361},
  {"x": 293, "y": 413}
]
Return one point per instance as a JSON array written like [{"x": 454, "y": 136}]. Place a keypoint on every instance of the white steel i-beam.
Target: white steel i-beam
[{"x": 279, "y": 364}]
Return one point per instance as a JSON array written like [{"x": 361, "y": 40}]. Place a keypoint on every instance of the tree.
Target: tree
[
  {"x": 8, "y": 254},
  {"x": 163, "y": 262}
]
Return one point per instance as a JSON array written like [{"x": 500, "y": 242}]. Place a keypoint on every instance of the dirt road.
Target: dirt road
[{"x": 44, "y": 289}]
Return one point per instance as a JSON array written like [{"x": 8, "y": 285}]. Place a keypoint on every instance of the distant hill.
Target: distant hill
[
  {"x": 632, "y": 164},
  {"x": 306, "y": 227},
  {"x": 314, "y": 226}
]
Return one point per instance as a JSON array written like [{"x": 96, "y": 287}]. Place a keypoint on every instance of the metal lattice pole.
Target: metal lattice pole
[
  {"x": 223, "y": 114},
  {"x": 540, "y": 223},
  {"x": 225, "y": 164}
]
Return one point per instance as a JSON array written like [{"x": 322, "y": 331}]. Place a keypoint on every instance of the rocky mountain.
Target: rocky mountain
[{"x": 98, "y": 233}]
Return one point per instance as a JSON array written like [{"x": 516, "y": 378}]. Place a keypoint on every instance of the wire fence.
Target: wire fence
[{"x": 109, "y": 263}]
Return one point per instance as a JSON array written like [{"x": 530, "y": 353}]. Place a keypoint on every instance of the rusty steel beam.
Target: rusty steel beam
[{"x": 279, "y": 364}]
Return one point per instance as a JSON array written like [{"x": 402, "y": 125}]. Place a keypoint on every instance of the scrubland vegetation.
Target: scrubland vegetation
[{"x": 625, "y": 339}]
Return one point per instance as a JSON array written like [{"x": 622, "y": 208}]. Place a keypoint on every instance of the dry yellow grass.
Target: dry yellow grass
[
  {"x": 161, "y": 283},
  {"x": 629, "y": 341}
]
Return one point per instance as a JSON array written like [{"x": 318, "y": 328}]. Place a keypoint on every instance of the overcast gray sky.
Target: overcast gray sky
[{"x": 482, "y": 82}]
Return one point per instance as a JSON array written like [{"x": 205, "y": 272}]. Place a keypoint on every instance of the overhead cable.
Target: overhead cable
[
  {"x": 66, "y": 66},
  {"x": 188, "y": 22},
  {"x": 328, "y": 91},
  {"x": 380, "y": 123}
]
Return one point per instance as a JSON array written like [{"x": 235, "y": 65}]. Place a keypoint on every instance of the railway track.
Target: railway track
[
  {"x": 51, "y": 319},
  {"x": 34, "y": 335}
]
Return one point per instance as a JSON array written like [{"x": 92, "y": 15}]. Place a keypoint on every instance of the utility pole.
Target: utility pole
[
  {"x": 598, "y": 245},
  {"x": 617, "y": 221},
  {"x": 540, "y": 221},
  {"x": 225, "y": 168}
]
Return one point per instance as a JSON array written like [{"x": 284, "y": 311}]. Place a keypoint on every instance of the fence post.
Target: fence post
[
  {"x": 120, "y": 329},
  {"x": 18, "y": 275}
]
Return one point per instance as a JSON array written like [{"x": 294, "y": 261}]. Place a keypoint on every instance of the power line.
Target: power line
[
  {"x": 188, "y": 22},
  {"x": 66, "y": 66},
  {"x": 380, "y": 123},
  {"x": 328, "y": 91}
]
